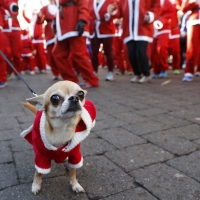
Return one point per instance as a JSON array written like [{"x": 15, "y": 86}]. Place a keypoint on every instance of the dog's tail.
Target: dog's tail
[{"x": 31, "y": 107}]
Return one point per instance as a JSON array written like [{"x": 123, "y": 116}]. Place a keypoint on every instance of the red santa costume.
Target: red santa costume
[
  {"x": 3, "y": 78},
  {"x": 137, "y": 32},
  {"x": 27, "y": 55},
  {"x": 174, "y": 40},
  {"x": 38, "y": 42},
  {"x": 102, "y": 30},
  {"x": 48, "y": 13},
  {"x": 7, "y": 30},
  {"x": 14, "y": 37},
  {"x": 72, "y": 28},
  {"x": 159, "y": 59},
  {"x": 193, "y": 39},
  {"x": 46, "y": 152},
  {"x": 120, "y": 51}
]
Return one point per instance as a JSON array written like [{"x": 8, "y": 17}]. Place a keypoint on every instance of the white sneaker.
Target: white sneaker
[
  {"x": 109, "y": 76},
  {"x": 22, "y": 72},
  {"x": 145, "y": 79},
  {"x": 32, "y": 72},
  {"x": 135, "y": 79}
]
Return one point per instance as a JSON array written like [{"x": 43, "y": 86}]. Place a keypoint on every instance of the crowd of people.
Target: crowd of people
[{"x": 136, "y": 37}]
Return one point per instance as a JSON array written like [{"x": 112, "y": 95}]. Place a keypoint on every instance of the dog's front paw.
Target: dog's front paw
[
  {"x": 36, "y": 188},
  {"x": 77, "y": 188}
]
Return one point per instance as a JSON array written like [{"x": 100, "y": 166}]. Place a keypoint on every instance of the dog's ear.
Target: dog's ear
[{"x": 37, "y": 101}]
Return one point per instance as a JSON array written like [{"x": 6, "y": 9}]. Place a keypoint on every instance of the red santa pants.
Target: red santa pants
[
  {"x": 174, "y": 50},
  {"x": 15, "y": 44},
  {"x": 192, "y": 53},
  {"x": 159, "y": 55},
  {"x": 2, "y": 61},
  {"x": 119, "y": 54},
  {"x": 107, "y": 47},
  {"x": 27, "y": 62},
  {"x": 51, "y": 60},
  {"x": 40, "y": 57},
  {"x": 76, "y": 46}
]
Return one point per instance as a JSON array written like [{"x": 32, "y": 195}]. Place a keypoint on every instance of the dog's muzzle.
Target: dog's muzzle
[{"x": 74, "y": 104}]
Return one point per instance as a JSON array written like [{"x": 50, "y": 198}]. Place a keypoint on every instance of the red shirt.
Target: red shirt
[{"x": 45, "y": 152}]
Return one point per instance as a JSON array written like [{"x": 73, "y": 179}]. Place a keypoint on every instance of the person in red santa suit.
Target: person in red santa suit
[
  {"x": 48, "y": 14},
  {"x": 138, "y": 17},
  {"x": 193, "y": 39},
  {"x": 27, "y": 53},
  {"x": 174, "y": 39},
  {"x": 3, "y": 78},
  {"x": 14, "y": 37},
  {"x": 120, "y": 51},
  {"x": 102, "y": 30},
  {"x": 72, "y": 30},
  {"x": 38, "y": 42},
  {"x": 159, "y": 58},
  {"x": 45, "y": 152}
]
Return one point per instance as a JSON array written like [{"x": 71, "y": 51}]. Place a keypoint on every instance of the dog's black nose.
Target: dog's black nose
[{"x": 73, "y": 99}]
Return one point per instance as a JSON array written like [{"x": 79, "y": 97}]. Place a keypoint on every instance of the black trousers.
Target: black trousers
[{"x": 138, "y": 57}]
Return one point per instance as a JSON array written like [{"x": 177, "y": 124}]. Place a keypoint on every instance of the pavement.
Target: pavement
[{"x": 145, "y": 145}]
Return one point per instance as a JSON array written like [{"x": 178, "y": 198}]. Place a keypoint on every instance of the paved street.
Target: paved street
[{"x": 145, "y": 145}]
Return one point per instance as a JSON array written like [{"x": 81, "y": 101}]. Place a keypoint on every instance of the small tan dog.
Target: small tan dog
[{"x": 63, "y": 119}]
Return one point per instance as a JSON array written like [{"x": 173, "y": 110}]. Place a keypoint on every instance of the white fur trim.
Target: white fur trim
[
  {"x": 151, "y": 15},
  {"x": 171, "y": 37},
  {"x": 76, "y": 166},
  {"x": 16, "y": 28},
  {"x": 26, "y": 54},
  {"x": 193, "y": 22},
  {"x": 188, "y": 74},
  {"x": 162, "y": 32},
  {"x": 24, "y": 37},
  {"x": 25, "y": 132},
  {"x": 52, "y": 9},
  {"x": 37, "y": 41},
  {"x": 43, "y": 134},
  {"x": 80, "y": 136},
  {"x": 51, "y": 41},
  {"x": 42, "y": 171}
]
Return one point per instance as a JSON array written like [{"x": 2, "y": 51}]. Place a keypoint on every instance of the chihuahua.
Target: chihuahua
[{"x": 63, "y": 119}]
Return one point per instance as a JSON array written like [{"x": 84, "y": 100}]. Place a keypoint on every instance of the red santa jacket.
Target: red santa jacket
[
  {"x": 27, "y": 45},
  {"x": 142, "y": 30},
  {"x": 164, "y": 18},
  {"x": 175, "y": 29},
  {"x": 46, "y": 152},
  {"x": 69, "y": 15},
  {"x": 194, "y": 7},
  {"x": 48, "y": 14},
  {"x": 13, "y": 14},
  {"x": 100, "y": 21},
  {"x": 38, "y": 33},
  {"x": 7, "y": 23}
]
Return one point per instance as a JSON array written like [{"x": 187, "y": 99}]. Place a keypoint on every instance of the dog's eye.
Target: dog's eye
[
  {"x": 55, "y": 99},
  {"x": 80, "y": 94}
]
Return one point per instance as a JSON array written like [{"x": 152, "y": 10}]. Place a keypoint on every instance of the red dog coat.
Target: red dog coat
[{"x": 45, "y": 152}]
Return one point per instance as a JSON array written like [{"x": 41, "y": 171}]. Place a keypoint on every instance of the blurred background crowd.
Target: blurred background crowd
[{"x": 140, "y": 38}]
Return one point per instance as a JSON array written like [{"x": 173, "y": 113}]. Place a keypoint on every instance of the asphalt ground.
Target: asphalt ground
[{"x": 145, "y": 145}]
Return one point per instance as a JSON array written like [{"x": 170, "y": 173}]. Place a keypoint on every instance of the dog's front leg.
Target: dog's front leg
[
  {"x": 76, "y": 187},
  {"x": 37, "y": 181}
]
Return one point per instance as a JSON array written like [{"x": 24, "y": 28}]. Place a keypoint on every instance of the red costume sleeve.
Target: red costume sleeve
[{"x": 188, "y": 5}]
